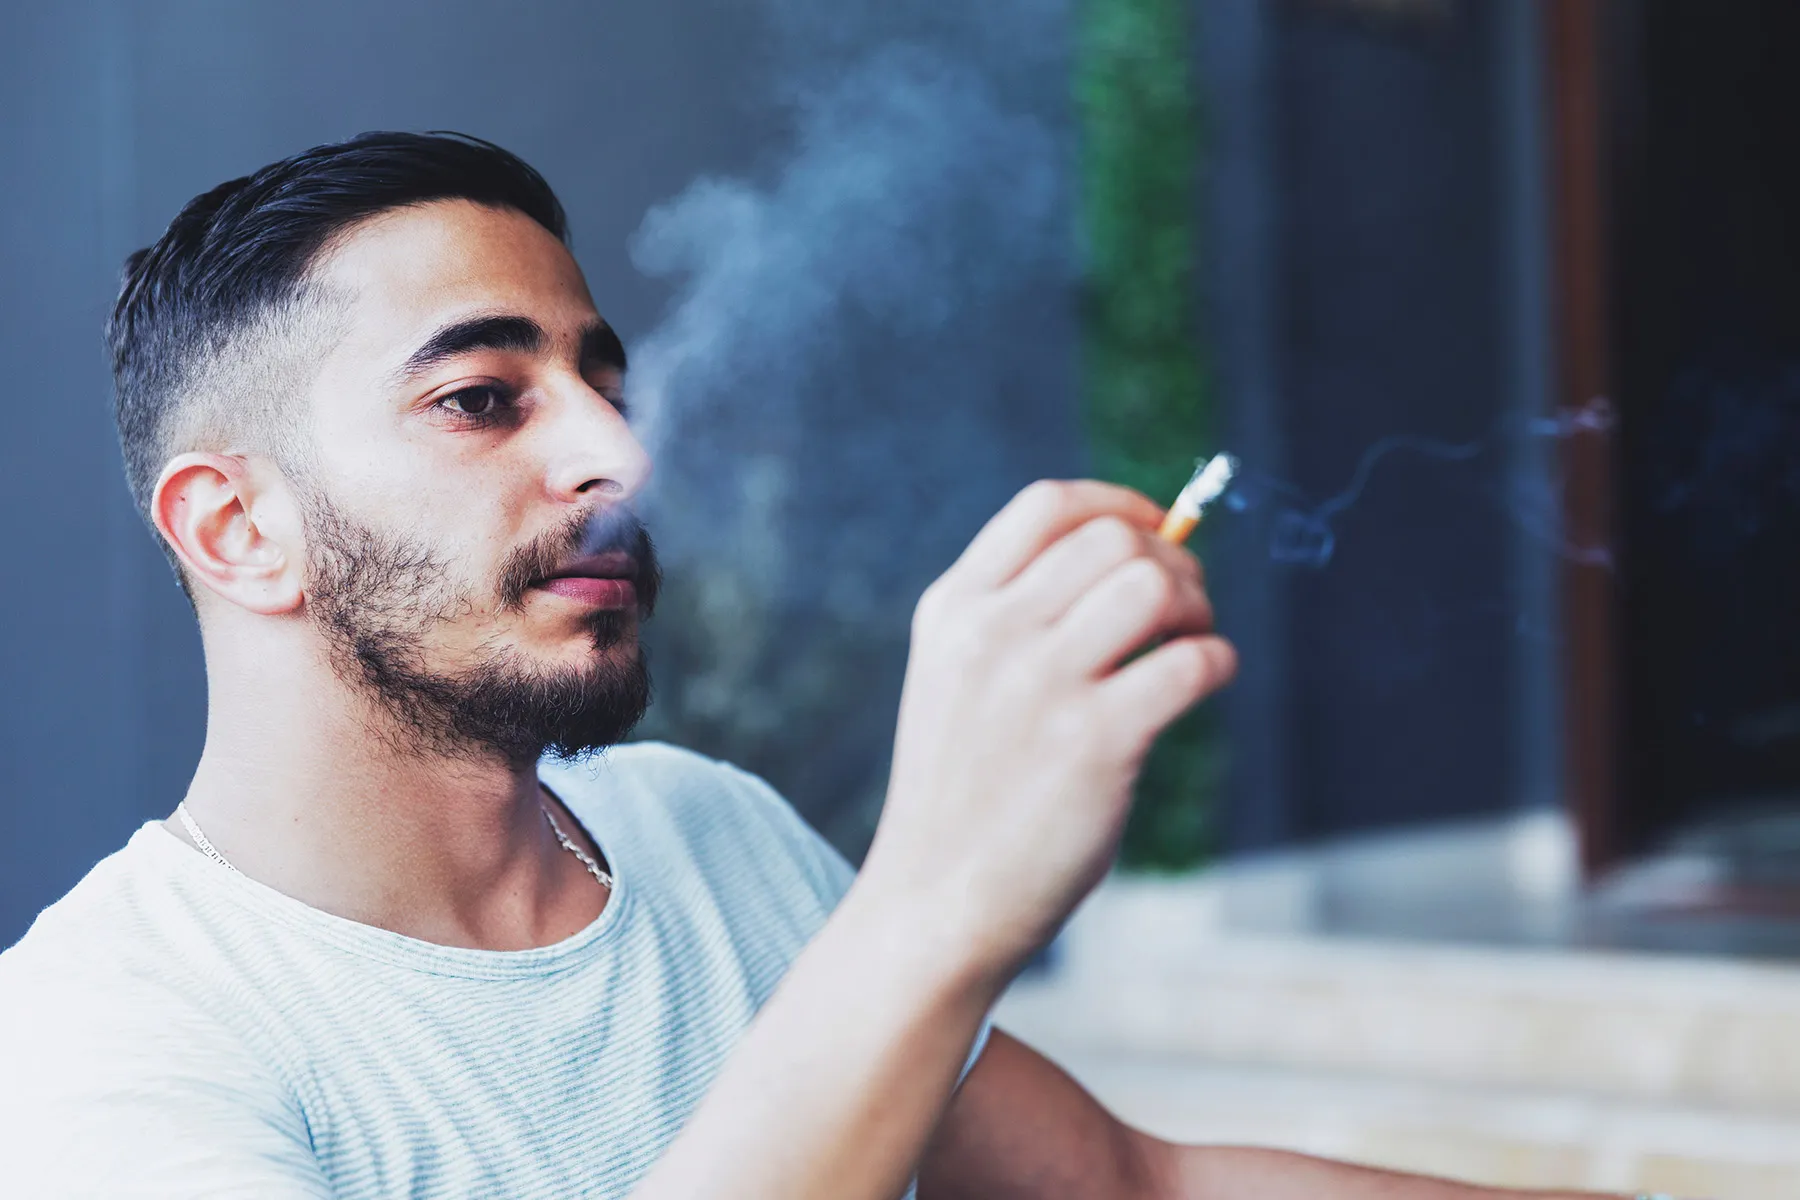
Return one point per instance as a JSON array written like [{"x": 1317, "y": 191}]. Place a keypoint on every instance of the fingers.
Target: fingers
[
  {"x": 1040, "y": 515},
  {"x": 1140, "y": 700},
  {"x": 1052, "y": 583},
  {"x": 1133, "y": 604}
]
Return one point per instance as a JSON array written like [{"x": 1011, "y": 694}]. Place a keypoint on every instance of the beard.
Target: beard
[{"x": 376, "y": 600}]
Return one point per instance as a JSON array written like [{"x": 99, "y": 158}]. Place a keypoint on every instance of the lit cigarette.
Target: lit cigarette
[{"x": 1209, "y": 482}]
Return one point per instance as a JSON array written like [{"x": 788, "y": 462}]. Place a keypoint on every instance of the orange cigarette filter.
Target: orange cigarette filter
[
  {"x": 1210, "y": 479},
  {"x": 1177, "y": 528}
]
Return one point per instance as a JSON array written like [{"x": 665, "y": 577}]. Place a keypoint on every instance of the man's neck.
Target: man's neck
[{"x": 313, "y": 800}]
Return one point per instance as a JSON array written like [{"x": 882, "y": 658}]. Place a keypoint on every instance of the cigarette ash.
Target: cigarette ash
[{"x": 1210, "y": 479}]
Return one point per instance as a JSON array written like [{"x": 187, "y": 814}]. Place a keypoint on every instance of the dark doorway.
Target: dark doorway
[{"x": 1702, "y": 205}]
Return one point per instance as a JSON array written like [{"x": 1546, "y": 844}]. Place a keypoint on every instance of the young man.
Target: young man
[{"x": 404, "y": 936}]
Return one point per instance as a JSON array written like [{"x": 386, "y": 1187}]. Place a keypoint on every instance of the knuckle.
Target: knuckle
[
  {"x": 1044, "y": 500},
  {"x": 931, "y": 602},
  {"x": 939, "y": 607},
  {"x": 970, "y": 633},
  {"x": 1016, "y": 604},
  {"x": 1150, "y": 582},
  {"x": 1189, "y": 667},
  {"x": 1112, "y": 538}
]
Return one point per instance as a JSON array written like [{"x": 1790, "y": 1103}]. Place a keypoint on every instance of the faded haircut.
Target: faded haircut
[{"x": 218, "y": 325}]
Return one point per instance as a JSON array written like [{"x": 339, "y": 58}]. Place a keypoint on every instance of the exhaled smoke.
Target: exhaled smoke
[
  {"x": 912, "y": 197},
  {"x": 1306, "y": 535},
  {"x": 868, "y": 349}
]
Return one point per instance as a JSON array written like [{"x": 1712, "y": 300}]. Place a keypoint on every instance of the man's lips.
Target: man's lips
[
  {"x": 601, "y": 593},
  {"x": 601, "y": 580}
]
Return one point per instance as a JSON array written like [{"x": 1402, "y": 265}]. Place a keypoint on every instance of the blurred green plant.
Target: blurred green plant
[{"x": 1144, "y": 386}]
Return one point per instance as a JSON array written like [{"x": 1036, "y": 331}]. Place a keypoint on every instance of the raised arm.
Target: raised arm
[
  {"x": 1022, "y": 1129},
  {"x": 1022, "y": 729}
]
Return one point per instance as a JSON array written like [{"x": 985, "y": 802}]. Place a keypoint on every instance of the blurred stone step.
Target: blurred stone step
[{"x": 1159, "y": 969}]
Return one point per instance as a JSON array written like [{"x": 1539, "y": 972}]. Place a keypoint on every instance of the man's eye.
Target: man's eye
[{"x": 480, "y": 402}]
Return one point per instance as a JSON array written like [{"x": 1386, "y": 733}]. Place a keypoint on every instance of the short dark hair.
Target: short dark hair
[{"x": 234, "y": 263}]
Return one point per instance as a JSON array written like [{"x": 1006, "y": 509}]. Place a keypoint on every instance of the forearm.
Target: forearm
[
  {"x": 1228, "y": 1173},
  {"x": 842, "y": 1077}
]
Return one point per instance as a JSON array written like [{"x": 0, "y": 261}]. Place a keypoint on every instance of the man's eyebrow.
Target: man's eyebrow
[
  {"x": 600, "y": 345},
  {"x": 519, "y": 334}
]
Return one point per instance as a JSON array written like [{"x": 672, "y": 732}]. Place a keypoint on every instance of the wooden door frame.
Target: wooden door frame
[{"x": 1575, "y": 36}]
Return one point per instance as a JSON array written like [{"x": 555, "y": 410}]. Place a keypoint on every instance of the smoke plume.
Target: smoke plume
[{"x": 868, "y": 350}]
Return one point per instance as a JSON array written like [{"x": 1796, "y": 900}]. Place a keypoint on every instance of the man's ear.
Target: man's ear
[{"x": 235, "y": 526}]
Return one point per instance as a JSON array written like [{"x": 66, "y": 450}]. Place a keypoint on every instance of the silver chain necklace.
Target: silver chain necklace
[
  {"x": 594, "y": 868},
  {"x": 206, "y": 847},
  {"x": 587, "y": 860}
]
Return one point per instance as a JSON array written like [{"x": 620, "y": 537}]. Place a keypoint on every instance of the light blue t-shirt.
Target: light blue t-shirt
[{"x": 170, "y": 1028}]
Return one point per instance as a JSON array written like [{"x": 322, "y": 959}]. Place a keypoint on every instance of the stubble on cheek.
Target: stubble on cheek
[
  {"x": 366, "y": 588},
  {"x": 442, "y": 664}
]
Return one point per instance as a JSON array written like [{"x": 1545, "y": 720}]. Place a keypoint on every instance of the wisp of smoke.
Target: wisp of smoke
[
  {"x": 1307, "y": 536},
  {"x": 913, "y": 193},
  {"x": 866, "y": 351}
]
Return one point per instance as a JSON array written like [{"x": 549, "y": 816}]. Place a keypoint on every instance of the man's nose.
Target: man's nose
[{"x": 591, "y": 451}]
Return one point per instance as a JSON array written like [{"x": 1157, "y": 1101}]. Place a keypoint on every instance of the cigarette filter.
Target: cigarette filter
[{"x": 1210, "y": 479}]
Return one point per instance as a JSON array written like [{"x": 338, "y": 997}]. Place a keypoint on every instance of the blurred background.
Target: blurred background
[{"x": 1490, "y": 862}]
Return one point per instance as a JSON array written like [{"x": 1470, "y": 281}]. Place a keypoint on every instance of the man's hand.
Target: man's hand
[
  {"x": 1022, "y": 727},
  {"x": 1025, "y": 718}
]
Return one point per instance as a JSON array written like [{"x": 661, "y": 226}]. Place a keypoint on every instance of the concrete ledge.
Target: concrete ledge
[
  {"x": 1200, "y": 1010},
  {"x": 1218, "y": 966},
  {"x": 1603, "y": 1024}
]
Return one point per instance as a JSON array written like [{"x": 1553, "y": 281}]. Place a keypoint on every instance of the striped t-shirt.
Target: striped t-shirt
[{"x": 171, "y": 1028}]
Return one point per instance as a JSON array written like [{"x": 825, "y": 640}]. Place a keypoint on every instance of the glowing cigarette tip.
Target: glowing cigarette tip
[{"x": 1209, "y": 481}]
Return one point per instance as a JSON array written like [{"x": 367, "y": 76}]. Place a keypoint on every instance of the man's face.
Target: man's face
[{"x": 470, "y": 557}]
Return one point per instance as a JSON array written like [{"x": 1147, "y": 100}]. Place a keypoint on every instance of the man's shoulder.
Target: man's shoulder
[
  {"x": 679, "y": 783},
  {"x": 116, "y": 1059},
  {"x": 104, "y": 906},
  {"x": 724, "y": 817},
  {"x": 106, "y": 944}
]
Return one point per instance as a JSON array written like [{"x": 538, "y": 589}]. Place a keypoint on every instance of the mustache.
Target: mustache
[{"x": 598, "y": 532}]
